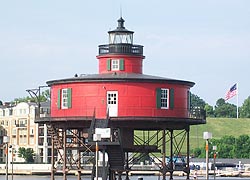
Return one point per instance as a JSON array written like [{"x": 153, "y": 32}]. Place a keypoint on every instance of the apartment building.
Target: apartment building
[{"x": 18, "y": 123}]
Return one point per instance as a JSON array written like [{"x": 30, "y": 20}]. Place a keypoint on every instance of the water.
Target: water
[{"x": 34, "y": 177}]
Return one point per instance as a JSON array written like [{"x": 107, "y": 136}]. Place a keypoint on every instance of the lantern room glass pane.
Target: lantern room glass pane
[
  {"x": 111, "y": 38},
  {"x": 118, "y": 38}
]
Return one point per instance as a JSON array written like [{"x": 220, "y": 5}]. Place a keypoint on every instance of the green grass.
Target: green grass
[{"x": 219, "y": 127}]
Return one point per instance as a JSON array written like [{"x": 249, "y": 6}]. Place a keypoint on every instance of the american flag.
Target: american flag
[{"x": 232, "y": 92}]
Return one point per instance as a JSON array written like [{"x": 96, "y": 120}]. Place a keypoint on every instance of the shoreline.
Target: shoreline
[
  {"x": 139, "y": 170},
  {"x": 199, "y": 173}
]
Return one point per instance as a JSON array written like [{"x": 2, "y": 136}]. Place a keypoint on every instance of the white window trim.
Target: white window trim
[
  {"x": 115, "y": 64},
  {"x": 64, "y": 98},
  {"x": 165, "y": 98}
]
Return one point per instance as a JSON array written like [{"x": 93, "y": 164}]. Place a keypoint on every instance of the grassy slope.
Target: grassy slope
[{"x": 219, "y": 127}]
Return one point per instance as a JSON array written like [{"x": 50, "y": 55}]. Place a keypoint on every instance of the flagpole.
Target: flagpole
[{"x": 237, "y": 100}]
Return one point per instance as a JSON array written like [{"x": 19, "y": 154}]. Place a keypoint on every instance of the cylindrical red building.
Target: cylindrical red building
[
  {"x": 122, "y": 98},
  {"x": 120, "y": 87}
]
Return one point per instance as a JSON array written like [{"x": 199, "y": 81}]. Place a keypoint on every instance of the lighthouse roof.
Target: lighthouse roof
[
  {"x": 121, "y": 27},
  {"x": 120, "y": 77}
]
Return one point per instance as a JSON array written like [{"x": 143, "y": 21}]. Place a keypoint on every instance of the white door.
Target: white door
[{"x": 112, "y": 103}]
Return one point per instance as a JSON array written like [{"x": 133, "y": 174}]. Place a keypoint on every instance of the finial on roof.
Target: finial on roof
[{"x": 121, "y": 23}]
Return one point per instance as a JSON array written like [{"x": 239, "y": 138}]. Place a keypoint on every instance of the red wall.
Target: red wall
[
  {"x": 132, "y": 64},
  {"x": 135, "y": 99}
]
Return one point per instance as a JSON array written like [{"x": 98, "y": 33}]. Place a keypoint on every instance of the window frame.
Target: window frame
[
  {"x": 64, "y": 98},
  {"x": 168, "y": 98},
  {"x": 164, "y": 98},
  {"x": 115, "y": 64}
]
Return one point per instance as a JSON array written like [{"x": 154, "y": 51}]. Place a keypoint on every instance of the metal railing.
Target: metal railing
[
  {"x": 197, "y": 113},
  {"x": 121, "y": 49},
  {"x": 21, "y": 125}
]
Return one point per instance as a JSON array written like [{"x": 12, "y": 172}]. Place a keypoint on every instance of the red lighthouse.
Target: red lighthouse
[{"x": 125, "y": 100}]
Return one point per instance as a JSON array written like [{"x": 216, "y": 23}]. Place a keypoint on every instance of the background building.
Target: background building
[{"x": 18, "y": 123}]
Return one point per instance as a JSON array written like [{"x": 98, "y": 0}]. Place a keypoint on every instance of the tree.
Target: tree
[
  {"x": 209, "y": 110},
  {"x": 196, "y": 101},
  {"x": 245, "y": 109},
  {"x": 24, "y": 99},
  {"x": 220, "y": 102},
  {"x": 27, "y": 154},
  {"x": 242, "y": 146},
  {"x": 227, "y": 147},
  {"x": 45, "y": 96},
  {"x": 197, "y": 152},
  {"x": 223, "y": 109}
]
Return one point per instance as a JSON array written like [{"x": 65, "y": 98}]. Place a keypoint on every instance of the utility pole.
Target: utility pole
[{"x": 207, "y": 136}]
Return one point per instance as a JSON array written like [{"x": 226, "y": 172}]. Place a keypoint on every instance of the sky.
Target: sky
[{"x": 206, "y": 42}]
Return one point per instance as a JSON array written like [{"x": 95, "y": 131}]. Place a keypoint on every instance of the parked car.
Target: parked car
[{"x": 179, "y": 163}]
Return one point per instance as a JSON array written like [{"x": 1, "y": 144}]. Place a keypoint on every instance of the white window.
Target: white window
[
  {"x": 64, "y": 98},
  {"x": 21, "y": 140},
  {"x": 115, "y": 64},
  {"x": 14, "y": 140},
  {"x": 25, "y": 140},
  {"x": 32, "y": 141},
  {"x": 32, "y": 131},
  {"x": 22, "y": 122},
  {"x": 6, "y": 112},
  {"x": 164, "y": 98},
  {"x": 14, "y": 131}
]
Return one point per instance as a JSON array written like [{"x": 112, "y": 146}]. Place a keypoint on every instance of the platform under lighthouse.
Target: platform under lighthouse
[{"x": 145, "y": 116}]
